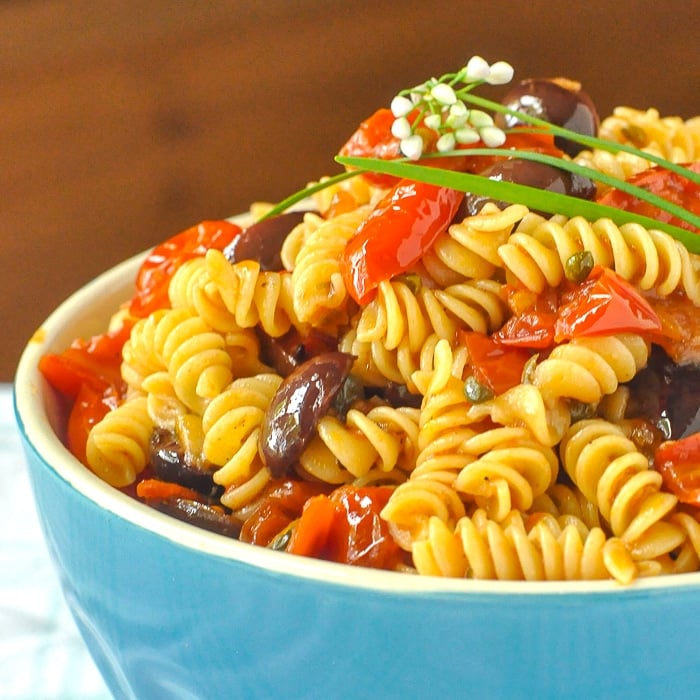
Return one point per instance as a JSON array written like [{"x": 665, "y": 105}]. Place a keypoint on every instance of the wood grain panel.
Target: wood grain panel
[{"x": 122, "y": 122}]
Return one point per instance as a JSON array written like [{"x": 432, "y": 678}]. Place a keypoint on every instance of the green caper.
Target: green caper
[
  {"x": 475, "y": 391},
  {"x": 528, "y": 375},
  {"x": 412, "y": 280},
  {"x": 635, "y": 135},
  {"x": 280, "y": 541},
  {"x": 581, "y": 411},
  {"x": 579, "y": 266},
  {"x": 351, "y": 390}
]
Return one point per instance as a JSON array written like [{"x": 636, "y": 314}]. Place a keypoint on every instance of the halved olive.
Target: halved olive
[{"x": 557, "y": 100}]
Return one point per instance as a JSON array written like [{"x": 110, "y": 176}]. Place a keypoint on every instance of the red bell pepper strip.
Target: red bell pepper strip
[
  {"x": 396, "y": 234},
  {"x": 157, "y": 270},
  {"x": 678, "y": 462}
]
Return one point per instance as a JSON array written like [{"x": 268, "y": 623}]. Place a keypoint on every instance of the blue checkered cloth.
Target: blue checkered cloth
[{"x": 42, "y": 656}]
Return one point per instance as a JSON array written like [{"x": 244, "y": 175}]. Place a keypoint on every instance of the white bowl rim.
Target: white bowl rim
[{"x": 33, "y": 422}]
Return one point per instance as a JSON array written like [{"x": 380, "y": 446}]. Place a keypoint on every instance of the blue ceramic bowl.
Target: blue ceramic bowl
[{"x": 171, "y": 611}]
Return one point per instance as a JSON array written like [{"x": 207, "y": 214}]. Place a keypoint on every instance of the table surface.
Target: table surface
[{"x": 42, "y": 656}]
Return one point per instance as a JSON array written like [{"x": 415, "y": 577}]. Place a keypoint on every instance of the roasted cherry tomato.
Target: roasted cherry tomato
[
  {"x": 678, "y": 462},
  {"x": 680, "y": 322},
  {"x": 88, "y": 373},
  {"x": 373, "y": 139},
  {"x": 156, "y": 271},
  {"x": 665, "y": 183},
  {"x": 346, "y": 527},
  {"x": 281, "y": 502},
  {"x": 533, "y": 328},
  {"x": 398, "y": 231},
  {"x": 95, "y": 362},
  {"x": 496, "y": 366},
  {"x": 159, "y": 490},
  {"x": 90, "y": 407},
  {"x": 604, "y": 304}
]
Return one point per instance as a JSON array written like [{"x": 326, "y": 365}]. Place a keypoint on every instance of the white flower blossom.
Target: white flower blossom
[
  {"x": 492, "y": 136},
  {"x": 412, "y": 147},
  {"x": 466, "y": 135},
  {"x": 444, "y": 94},
  {"x": 433, "y": 121},
  {"x": 401, "y": 106},
  {"x": 476, "y": 69},
  {"x": 500, "y": 73},
  {"x": 479, "y": 119},
  {"x": 401, "y": 128},
  {"x": 458, "y": 116},
  {"x": 446, "y": 142}
]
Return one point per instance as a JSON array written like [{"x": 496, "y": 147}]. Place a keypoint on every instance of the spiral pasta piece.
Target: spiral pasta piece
[
  {"x": 398, "y": 313},
  {"x": 414, "y": 503},
  {"x": 231, "y": 427},
  {"x": 254, "y": 296},
  {"x": 671, "y": 138},
  {"x": 192, "y": 287},
  {"x": 537, "y": 252},
  {"x": 117, "y": 446},
  {"x": 194, "y": 354},
  {"x": 319, "y": 293},
  {"x": 469, "y": 249},
  {"x": 613, "y": 474},
  {"x": 584, "y": 369},
  {"x": 383, "y": 438},
  {"x": 509, "y": 475},
  {"x": 377, "y": 366},
  {"x": 480, "y": 548},
  {"x": 564, "y": 502},
  {"x": 448, "y": 439},
  {"x": 139, "y": 356}
]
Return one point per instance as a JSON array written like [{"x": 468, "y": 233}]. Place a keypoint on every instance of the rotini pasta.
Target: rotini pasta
[
  {"x": 475, "y": 393},
  {"x": 117, "y": 446},
  {"x": 672, "y": 138},
  {"x": 537, "y": 252}
]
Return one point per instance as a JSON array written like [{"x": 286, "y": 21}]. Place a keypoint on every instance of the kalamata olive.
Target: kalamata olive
[
  {"x": 262, "y": 241},
  {"x": 167, "y": 459},
  {"x": 668, "y": 394},
  {"x": 287, "y": 352},
  {"x": 396, "y": 395},
  {"x": 559, "y": 101},
  {"x": 534, "y": 174},
  {"x": 302, "y": 399},
  {"x": 201, "y": 515}
]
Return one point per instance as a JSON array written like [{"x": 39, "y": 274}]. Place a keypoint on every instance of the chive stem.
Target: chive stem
[{"x": 531, "y": 197}]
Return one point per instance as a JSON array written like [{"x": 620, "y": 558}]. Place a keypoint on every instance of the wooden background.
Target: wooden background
[{"x": 123, "y": 122}]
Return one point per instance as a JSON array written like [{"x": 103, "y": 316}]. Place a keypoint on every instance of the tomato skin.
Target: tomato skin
[
  {"x": 159, "y": 490},
  {"x": 373, "y": 139},
  {"x": 398, "y": 231},
  {"x": 88, "y": 373},
  {"x": 531, "y": 329},
  {"x": 665, "y": 183},
  {"x": 281, "y": 502},
  {"x": 155, "y": 273},
  {"x": 346, "y": 527},
  {"x": 678, "y": 462},
  {"x": 497, "y": 366},
  {"x": 90, "y": 407},
  {"x": 603, "y": 305}
]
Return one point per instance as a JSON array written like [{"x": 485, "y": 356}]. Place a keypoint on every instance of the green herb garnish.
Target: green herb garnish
[
  {"x": 440, "y": 105},
  {"x": 531, "y": 197}
]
